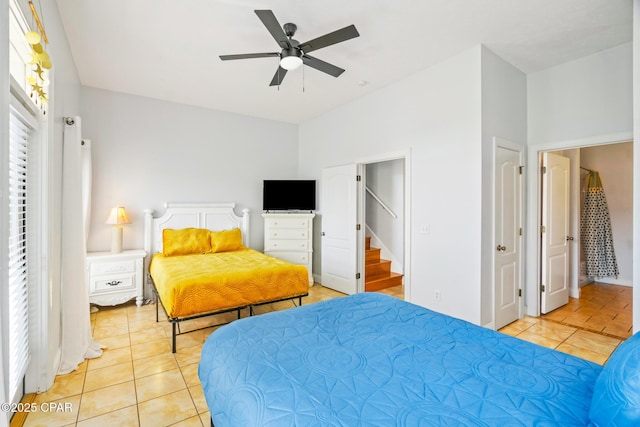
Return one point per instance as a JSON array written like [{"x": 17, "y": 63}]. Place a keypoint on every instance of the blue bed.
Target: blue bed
[{"x": 374, "y": 360}]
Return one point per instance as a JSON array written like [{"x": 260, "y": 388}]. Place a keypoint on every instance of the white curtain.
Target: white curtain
[
  {"x": 77, "y": 340},
  {"x": 87, "y": 174}
]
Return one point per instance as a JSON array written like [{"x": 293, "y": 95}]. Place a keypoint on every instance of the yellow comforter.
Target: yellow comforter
[{"x": 195, "y": 284}]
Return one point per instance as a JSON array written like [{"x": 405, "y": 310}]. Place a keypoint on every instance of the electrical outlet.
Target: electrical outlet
[
  {"x": 425, "y": 229},
  {"x": 436, "y": 295}
]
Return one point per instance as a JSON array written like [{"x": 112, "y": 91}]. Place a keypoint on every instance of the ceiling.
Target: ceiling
[{"x": 169, "y": 50}]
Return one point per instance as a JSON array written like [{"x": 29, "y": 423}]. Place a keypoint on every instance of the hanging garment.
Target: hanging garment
[{"x": 595, "y": 234}]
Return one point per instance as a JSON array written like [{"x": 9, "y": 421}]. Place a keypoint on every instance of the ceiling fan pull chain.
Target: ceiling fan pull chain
[{"x": 303, "y": 79}]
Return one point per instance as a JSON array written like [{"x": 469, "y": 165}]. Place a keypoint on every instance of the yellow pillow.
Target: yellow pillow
[
  {"x": 226, "y": 240},
  {"x": 185, "y": 241}
]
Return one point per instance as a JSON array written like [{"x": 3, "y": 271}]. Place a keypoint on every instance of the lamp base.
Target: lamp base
[{"x": 116, "y": 239}]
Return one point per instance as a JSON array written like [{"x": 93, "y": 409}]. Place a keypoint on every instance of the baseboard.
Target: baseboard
[{"x": 613, "y": 281}]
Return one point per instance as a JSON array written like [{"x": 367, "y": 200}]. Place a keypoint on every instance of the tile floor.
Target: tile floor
[
  {"x": 139, "y": 382},
  {"x": 601, "y": 308}
]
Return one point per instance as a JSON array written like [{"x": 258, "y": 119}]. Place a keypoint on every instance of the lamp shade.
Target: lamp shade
[{"x": 117, "y": 216}]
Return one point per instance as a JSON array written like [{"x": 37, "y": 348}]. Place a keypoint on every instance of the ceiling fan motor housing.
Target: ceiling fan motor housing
[{"x": 289, "y": 29}]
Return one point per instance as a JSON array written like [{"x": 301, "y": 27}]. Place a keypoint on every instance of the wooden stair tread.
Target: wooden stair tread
[{"x": 394, "y": 279}]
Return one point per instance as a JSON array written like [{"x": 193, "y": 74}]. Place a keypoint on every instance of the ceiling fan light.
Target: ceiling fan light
[
  {"x": 290, "y": 63},
  {"x": 290, "y": 59}
]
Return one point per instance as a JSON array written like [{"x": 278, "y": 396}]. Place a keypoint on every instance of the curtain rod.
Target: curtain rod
[{"x": 588, "y": 170}]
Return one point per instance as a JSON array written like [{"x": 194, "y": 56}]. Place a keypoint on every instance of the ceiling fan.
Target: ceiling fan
[{"x": 294, "y": 53}]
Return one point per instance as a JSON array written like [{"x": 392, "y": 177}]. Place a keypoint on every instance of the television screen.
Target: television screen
[{"x": 281, "y": 195}]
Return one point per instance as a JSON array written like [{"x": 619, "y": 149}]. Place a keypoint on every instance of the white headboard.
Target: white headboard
[{"x": 213, "y": 216}]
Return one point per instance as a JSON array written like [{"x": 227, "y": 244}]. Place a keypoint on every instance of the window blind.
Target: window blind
[{"x": 19, "y": 354}]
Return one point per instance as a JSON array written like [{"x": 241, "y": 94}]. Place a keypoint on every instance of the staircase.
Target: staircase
[{"x": 377, "y": 272}]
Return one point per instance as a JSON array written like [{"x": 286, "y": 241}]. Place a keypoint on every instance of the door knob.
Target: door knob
[
  {"x": 569, "y": 238},
  {"x": 501, "y": 248}
]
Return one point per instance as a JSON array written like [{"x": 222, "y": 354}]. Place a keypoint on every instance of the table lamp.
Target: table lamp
[{"x": 117, "y": 217}]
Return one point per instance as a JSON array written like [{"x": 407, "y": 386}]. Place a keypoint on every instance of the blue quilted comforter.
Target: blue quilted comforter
[{"x": 374, "y": 360}]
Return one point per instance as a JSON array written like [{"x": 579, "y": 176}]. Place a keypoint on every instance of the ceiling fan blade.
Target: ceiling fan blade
[
  {"x": 337, "y": 36},
  {"x": 249, "y": 56},
  {"x": 269, "y": 20},
  {"x": 320, "y": 65},
  {"x": 278, "y": 77}
]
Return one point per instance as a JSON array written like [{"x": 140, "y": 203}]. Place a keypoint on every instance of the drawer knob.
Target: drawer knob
[{"x": 114, "y": 282}]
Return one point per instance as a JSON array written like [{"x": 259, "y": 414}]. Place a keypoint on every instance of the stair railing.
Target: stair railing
[{"x": 383, "y": 204}]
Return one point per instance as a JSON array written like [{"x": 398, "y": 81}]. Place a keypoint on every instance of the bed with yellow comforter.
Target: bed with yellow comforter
[
  {"x": 202, "y": 272},
  {"x": 195, "y": 284}
]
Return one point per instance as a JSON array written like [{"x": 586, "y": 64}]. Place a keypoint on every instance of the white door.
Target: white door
[
  {"x": 555, "y": 231},
  {"x": 339, "y": 235},
  {"x": 507, "y": 237}
]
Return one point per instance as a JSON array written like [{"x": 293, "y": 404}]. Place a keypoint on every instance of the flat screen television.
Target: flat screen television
[{"x": 289, "y": 195}]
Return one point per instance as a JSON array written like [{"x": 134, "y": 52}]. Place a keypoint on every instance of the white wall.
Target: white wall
[
  {"x": 436, "y": 114},
  {"x": 147, "y": 152},
  {"x": 504, "y": 115},
  {"x": 615, "y": 164},
  {"x": 582, "y": 98}
]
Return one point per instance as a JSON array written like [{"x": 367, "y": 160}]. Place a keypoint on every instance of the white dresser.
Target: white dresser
[
  {"x": 289, "y": 236},
  {"x": 115, "y": 278}
]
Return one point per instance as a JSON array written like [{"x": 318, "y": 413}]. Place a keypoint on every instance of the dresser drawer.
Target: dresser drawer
[
  {"x": 113, "y": 283},
  {"x": 286, "y": 245},
  {"x": 288, "y": 233},
  {"x": 301, "y": 258},
  {"x": 287, "y": 222},
  {"x": 112, "y": 267}
]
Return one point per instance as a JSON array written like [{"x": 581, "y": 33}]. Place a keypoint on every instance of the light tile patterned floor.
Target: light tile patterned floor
[
  {"x": 602, "y": 308},
  {"x": 590, "y": 327},
  {"x": 139, "y": 382}
]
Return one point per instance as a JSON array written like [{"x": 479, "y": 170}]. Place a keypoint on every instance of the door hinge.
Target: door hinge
[
  {"x": 542, "y": 288},
  {"x": 357, "y": 276},
  {"x": 544, "y": 169},
  {"x": 358, "y": 178},
  {"x": 521, "y": 168},
  {"x": 519, "y": 292},
  {"x": 543, "y": 229},
  {"x": 520, "y": 231},
  {"x": 357, "y": 227}
]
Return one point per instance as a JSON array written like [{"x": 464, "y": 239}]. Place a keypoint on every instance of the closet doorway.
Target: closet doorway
[{"x": 614, "y": 164}]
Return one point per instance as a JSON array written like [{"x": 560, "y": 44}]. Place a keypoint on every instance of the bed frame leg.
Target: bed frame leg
[
  {"x": 250, "y": 310},
  {"x": 173, "y": 337},
  {"x": 299, "y": 301},
  {"x": 239, "y": 315}
]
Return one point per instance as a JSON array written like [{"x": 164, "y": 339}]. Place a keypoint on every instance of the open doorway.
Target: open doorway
[
  {"x": 344, "y": 220},
  {"x": 384, "y": 227},
  {"x": 614, "y": 164},
  {"x": 385, "y": 219}
]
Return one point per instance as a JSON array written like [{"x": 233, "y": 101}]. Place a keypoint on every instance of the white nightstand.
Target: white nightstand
[{"x": 115, "y": 278}]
